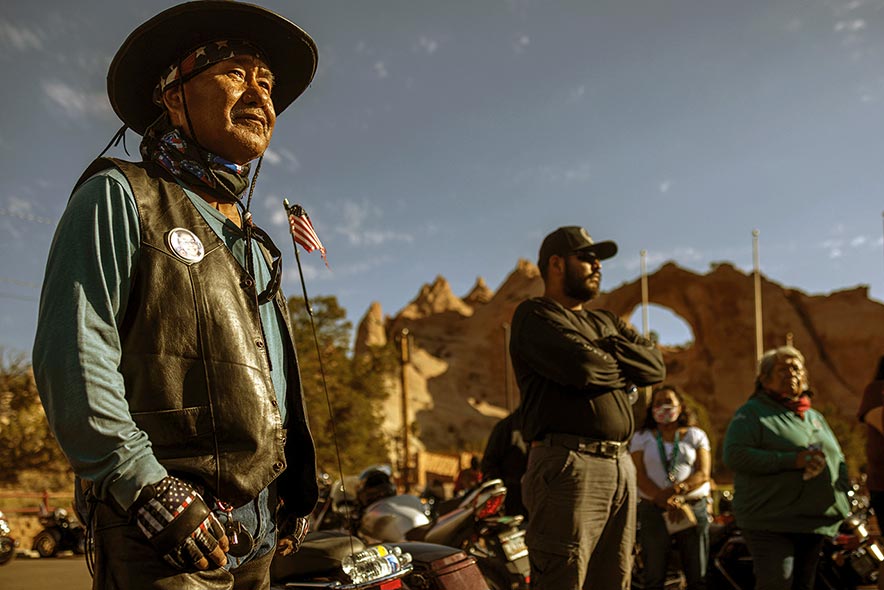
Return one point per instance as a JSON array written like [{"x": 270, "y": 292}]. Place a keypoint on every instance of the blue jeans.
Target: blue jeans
[
  {"x": 692, "y": 544},
  {"x": 783, "y": 561}
]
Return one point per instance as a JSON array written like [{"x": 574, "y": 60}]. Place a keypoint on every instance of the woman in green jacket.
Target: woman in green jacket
[{"x": 790, "y": 478}]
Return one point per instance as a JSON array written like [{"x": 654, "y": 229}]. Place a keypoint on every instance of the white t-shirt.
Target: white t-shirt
[{"x": 688, "y": 445}]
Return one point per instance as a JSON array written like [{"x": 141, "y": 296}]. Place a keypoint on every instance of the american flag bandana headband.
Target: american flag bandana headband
[
  {"x": 303, "y": 232},
  {"x": 200, "y": 59}
]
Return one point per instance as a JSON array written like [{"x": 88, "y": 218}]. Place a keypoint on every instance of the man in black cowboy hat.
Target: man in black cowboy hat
[
  {"x": 164, "y": 354},
  {"x": 574, "y": 367}
]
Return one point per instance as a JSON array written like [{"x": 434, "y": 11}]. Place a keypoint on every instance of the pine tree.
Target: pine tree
[{"x": 357, "y": 387}]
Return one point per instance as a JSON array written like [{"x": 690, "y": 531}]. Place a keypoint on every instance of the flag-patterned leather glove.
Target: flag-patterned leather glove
[{"x": 177, "y": 522}]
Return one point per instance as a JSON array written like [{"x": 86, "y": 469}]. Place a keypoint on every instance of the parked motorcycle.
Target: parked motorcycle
[
  {"x": 434, "y": 567},
  {"x": 61, "y": 532},
  {"x": 471, "y": 523},
  {"x": 338, "y": 560},
  {"x": 850, "y": 559},
  {"x": 7, "y": 542}
]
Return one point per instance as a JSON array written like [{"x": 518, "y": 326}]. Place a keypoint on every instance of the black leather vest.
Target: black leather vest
[{"x": 194, "y": 359}]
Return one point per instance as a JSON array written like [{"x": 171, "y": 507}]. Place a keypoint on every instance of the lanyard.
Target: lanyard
[{"x": 668, "y": 463}]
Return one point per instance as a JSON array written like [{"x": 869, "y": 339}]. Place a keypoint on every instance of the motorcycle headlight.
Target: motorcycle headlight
[{"x": 4, "y": 528}]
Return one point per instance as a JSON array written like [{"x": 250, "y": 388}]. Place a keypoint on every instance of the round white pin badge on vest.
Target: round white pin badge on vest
[{"x": 185, "y": 245}]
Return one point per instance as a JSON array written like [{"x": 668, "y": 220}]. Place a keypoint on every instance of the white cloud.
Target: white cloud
[
  {"x": 75, "y": 102},
  {"x": 834, "y": 246},
  {"x": 19, "y": 205},
  {"x": 318, "y": 272},
  {"x": 428, "y": 44},
  {"x": 558, "y": 173},
  {"x": 681, "y": 255},
  {"x": 19, "y": 37},
  {"x": 794, "y": 25},
  {"x": 858, "y": 241},
  {"x": 284, "y": 157},
  {"x": 577, "y": 94},
  {"x": 278, "y": 218},
  {"x": 356, "y": 226},
  {"x": 665, "y": 186},
  {"x": 850, "y": 26},
  {"x": 380, "y": 70},
  {"x": 521, "y": 43}
]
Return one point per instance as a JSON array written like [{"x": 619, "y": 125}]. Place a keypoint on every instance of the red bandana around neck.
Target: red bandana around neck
[{"x": 799, "y": 406}]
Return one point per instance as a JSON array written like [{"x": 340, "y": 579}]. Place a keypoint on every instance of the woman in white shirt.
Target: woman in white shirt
[{"x": 672, "y": 461}]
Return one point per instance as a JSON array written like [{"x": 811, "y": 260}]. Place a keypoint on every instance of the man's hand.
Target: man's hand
[
  {"x": 179, "y": 524},
  {"x": 292, "y": 531}
]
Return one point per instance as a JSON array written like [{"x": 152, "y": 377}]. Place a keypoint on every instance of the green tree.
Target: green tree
[
  {"x": 26, "y": 442},
  {"x": 357, "y": 387}
]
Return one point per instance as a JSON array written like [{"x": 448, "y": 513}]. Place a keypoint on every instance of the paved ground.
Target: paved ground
[{"x": 43, "y": 574}]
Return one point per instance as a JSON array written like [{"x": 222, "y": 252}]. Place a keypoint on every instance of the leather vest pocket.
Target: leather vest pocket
[{"x": 179, "y": 429}]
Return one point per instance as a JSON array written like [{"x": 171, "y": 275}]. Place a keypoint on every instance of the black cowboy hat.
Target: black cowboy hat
[{"x": 173, "y": 33}]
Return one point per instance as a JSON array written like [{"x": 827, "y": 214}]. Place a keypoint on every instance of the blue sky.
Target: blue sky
[{"x": 450, "y": 137}]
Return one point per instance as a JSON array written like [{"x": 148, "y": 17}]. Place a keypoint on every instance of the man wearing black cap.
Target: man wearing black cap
[
  {"x": 164, "y": 354},
  {"x": 574, "y": 367}
]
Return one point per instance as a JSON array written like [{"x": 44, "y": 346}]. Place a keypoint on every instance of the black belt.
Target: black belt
[{"x": 609, "y": 449}]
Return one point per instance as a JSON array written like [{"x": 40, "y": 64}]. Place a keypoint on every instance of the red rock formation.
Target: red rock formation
[{"x": 462, "y": 343}]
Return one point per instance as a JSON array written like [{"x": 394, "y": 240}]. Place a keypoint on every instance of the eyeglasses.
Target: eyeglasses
[{"x": 587, "y": 256}]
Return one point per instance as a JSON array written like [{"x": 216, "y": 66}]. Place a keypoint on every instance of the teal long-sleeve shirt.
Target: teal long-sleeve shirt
[
  {"x": 760, "y": 446},
  {"x": 77, "y": 349}
]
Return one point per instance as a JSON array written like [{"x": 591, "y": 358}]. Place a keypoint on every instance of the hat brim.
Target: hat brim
[
  {"x": 152, "y": 47},
  {"x": 603, "y": 250}
]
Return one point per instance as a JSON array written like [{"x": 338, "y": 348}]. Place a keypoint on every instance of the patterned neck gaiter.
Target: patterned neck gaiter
[{"x": 191, "y": 164}]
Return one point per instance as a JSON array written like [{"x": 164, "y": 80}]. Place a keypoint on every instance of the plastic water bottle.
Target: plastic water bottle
[{"x": 374, "y": 562}]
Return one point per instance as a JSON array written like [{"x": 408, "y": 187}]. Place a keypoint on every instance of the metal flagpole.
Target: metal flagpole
[
  {"x": 646, "y": 330},
  {"x": 759, "y": 344},
  {"x": 643, "y": 395},
  {"x": 405, "y": 359},
  {"x": 289, "y": 210}
]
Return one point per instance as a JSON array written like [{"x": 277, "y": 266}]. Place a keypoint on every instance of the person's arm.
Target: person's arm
[
  {"x": 742, "y": 450},
  {"x": 77, "y": 349},
  {"x": 495, "y": 450},
  {"x": 701, "y": 475},
  {"x": 551, "y": 345},
  {"x": 639, "y": 358}
]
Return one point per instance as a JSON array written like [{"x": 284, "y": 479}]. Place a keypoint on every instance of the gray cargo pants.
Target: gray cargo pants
[{"x": 582, "y": 527}]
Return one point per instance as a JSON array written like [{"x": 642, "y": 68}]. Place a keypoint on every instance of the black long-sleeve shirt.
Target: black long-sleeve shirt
[{"x": 572, "y": 368}]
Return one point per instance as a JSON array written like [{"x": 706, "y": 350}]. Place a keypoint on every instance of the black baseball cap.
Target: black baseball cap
[{"x": 570, "y": 240}]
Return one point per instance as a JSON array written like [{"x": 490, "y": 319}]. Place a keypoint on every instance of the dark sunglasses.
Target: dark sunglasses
[{"x": 587, "y": 256}]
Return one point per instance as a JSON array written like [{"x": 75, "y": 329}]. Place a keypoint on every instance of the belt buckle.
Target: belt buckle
[{"x": 611, "y": 449}]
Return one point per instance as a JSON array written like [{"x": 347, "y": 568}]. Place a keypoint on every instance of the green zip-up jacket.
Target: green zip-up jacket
[{"x": 769, "y": 492}]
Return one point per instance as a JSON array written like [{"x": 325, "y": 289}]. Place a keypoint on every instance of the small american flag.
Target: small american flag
[{"x": 303, "y": 231}]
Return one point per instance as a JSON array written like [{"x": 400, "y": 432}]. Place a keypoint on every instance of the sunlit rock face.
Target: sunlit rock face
[{"x": 459, "y": 363}]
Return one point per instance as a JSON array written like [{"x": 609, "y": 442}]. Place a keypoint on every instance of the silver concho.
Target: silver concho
[{"x": 185, "y": 245}]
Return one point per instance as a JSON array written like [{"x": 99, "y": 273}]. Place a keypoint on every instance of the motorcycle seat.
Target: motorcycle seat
[
  {"x": 320, "y": 554},
  {"x": 418, "y": 533}
]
